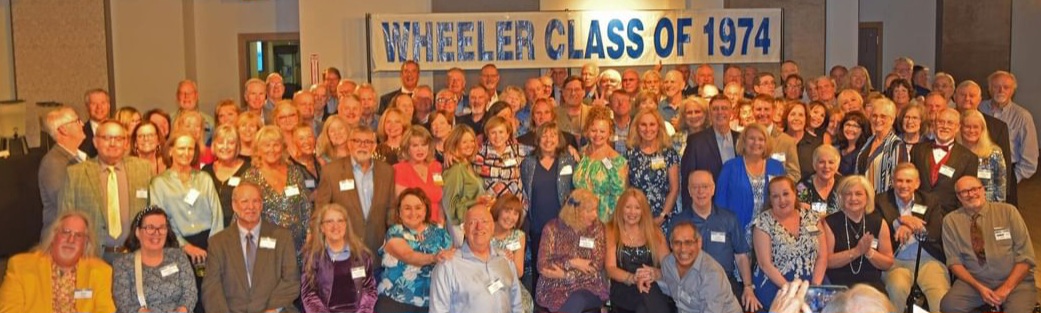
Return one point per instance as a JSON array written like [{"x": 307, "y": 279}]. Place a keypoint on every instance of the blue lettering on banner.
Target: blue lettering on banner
[
  {"x": 594, "y": 43},
  {"x": 463, "y": 42},
  {"x": 572, "y": 53},
  {"x": 444, "y": 42},
  {"x": 614, "y": 30},
  {"x": 524, "y": 40},
  {"x": 391, "y": 39},
  {"x": 424, "y": 40},
  {"x": 635, "y": 26},
  {"x": 682, "y": 37},
  {"x": 663, "y": 25},
  {"x": 555, "y": 26},
  {"x": 502, "y": 39},
  {"x": 483, "y": 55}
]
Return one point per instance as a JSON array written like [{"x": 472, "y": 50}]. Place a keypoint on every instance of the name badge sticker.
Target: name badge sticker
[
  {"x": 586, "y": 242},
  {"x": 566, "y": 170},
  {"x": 495, "y": 286},
  {"x": 292, "y": 191},
  {"x": 309, "y": 183},
  {"x": 267, "y": 242},
  {"x": 234, "y": 181},
  {"x": 438, "y": 179},
  {"x": 358, "y": 272},
  {"x": 947, "y": 171},
  {"x": 513, "y": 246},
  {"x": 191, "y": 196},
  {"x": 874, "y": 244},
  {"x": 83, "y": 294},
  {"x": 780, "y": 157},
  {"x": 1002, "y": 233},
  {"x": 812, "y": 229},
  {"x": 718, "y": 236},
  {"x": 169, "y": 270},
  {"x": 658, "y": 163},
  {"x": 142, "y": 193},
  {"x": 607, "y": 163},
  {"x": 819, "y": 207},
  {"x": 509, "y": 162},
  {"x": 983, "y": 174},
  {"x": 918, "y": 209},
  {"x": 346, "y": 184}
]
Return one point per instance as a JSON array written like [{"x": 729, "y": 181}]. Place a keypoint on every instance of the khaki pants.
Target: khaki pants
[{"x": 932, "y": 278}]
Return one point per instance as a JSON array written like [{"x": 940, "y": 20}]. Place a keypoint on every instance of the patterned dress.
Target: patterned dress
[
  {"x": 561, "y": 243},
  {"x": 405, "y": 283},
  {"x": 607, "y": 183},
  {"x": 650, "y": 173},
  {"x": 283, "y": 207},
  {"x": 794, "y": 256},
  {"x": 501, "y": 173},
  {"x": 163, "y": 293},
  {"x": 993, "y": 174}
]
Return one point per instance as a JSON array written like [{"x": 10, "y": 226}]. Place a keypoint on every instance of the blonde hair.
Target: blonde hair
[
  {"x": 860, "y": 299},
  {"x": 848, "y": 183},
  {"x": 496, "y": 121},
  {"x": 270, "y": 132},
  {"x": 314, "y": 247},
  {"x": 125, "y": 114},
  {"x": 323, "y": 143},
  {"x": 417, "y": 132},
  {"x": 172, "y": 140},
  {"x": 768, "y": 140},
  {"x": 634, "y": 140},
  {"x": 651, "y": 232},
  {"x": 867, "y": 79},
  {"x": 455, "y": 139},
  {"x": 381, "y": 128},
  {"x": 229, "y": 132},
  {"x": 580, "y": 199},
  {"x": 984, "y": 146},
  {"x": 89, "y": 245}
]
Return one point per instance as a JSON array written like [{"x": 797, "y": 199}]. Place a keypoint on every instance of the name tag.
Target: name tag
[
  {"x": 607, "y": 163},
  {"x": 83, "y": 294},
  {"x": 1002, "y": 234},
  {"x": 509, "y": 162},
  {"x": 566, "y": 170},
  {"x": 267, "y": 242},
  {"x": 292, "y": 191},
  {"x": 358, "y": 272},
  {"x": 142, "y": 194},
  {"x": 616, "y": 138},
  {"x": 718, "y": 236},
  {"x": 346, "y": 184},
  {"x": 780, "y": 157},
  {"x": 812, "y": 229},
  {"x": 918, "y": 209},
  {"x": 874, "y": 244},
  {"x": 438, "y": 180},
  {"x": 309, "y": 183},
  {"x": 587, "y": 243},
  {"x": 169, "y": 270},
  {"x": 513, "y": 246},
  {"x": 191, "y": 196},
  {"x": 918, "y": 309},
  {"x": 234, "y": 181},
  {"x": 947, "y": 171},
  {"x": 983, "y": 174},
  {"x": 495, "y": 286},
  {"x": 819, "y": 207},
  {"x": 658, "y": 163}
]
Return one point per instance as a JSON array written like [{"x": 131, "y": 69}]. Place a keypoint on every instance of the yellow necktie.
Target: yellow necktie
[{"x": 115, "y": 227}]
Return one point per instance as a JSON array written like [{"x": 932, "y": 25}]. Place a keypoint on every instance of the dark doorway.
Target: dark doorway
[{"x": 870, "y": 51}]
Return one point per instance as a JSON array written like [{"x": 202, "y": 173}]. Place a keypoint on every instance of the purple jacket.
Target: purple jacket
[{"x": 316, "y": 292}]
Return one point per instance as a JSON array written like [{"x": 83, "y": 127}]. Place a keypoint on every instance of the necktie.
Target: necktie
[
  {"x": 977, "y": 240},
  {"x": 251, "y": 256},
  {"x": 115, "y": 227}
]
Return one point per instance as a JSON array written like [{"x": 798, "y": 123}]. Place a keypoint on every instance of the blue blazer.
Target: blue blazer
[
  {"x": 734, "y": 191},
  {"x": 702, "y": 153}
]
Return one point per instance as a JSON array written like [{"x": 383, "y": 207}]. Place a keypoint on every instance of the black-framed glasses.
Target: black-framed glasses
[
  {"x": 970, "y": 191},
  {"x": 153, "y": 230}
]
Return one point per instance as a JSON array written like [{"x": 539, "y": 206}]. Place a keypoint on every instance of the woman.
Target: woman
[
  {"x": 693, "y": 120},
  {"x": 780, "y": 108},
  {"x": 281, "y": 185},
  {"x": 789, "y": 243},
  {"x": 393, "y": 125},
  {"x": 909, "y": 125},
  {"x": 227, "y": 112},
  {"x": 817, "y": 118},
  {"x": 161, "y": 120},
  {"x": 635, "y": 247},
  {"x": 860, "y": 81},
  {"x": 508, "y": 213},
  {"x": 189, "y": 196},
  {"x": 743, "y": 116},
  {"x": 286, "y": 118},
  {"x": 515, "y": 97},
  {"x": 854, "y": 132},
  {"x": 406, "y": 106},
  {"x": 462, "y": 185},
  {"x": 992, "y": 169},
  {"x": 793, "y": 88},
  {"x": 571, "y": 258},
  {"x": 602, "y": 170},
  {"x": 503, "y": 109},
  {"x": 794, "y": 124},
  {"x": 542, "y": 112},
  {"x": 498, "y": 160},
  {"x": 742, "y": 182},
  {"x": 304, "y": 155},
  {"x": 440, "y": 127},
  {"x": 850, "y": 100},
  {"x": 193, "y": 123},
  {"x": 834, "y": 122},
  {"x": 332, "y": 143},
  {"x": 412, "y": 248},
  {"x": 418, "y": 169},
  {"x": 901, "y": 92},
  {"x": 655, "y": 166},
  {"x": 884, "y": 150},
  {"x": 144, "y": 144},
  {"x": 858, "y": 242},
  {"x": 167, "y": 278},
  {"x": 247, "y": 126},
  {"x": 645, "y": 99},
  {"x": 228, "y": 169},
  {"x": 815, "y": 190},
  {"x": 129, "y": 117},
  {"x": 546, "y": 178},
  {"x": 338, "y": 269}
]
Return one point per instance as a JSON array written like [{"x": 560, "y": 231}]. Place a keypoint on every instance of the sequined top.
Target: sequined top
[
  {"x": 387, "y": 154},
  {"x": 289, "y": 208}
]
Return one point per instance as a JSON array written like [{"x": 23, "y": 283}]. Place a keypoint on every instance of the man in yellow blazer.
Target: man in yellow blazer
[{"x": 61, "y": 274}]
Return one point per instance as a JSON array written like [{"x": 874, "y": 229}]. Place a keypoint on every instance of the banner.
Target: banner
[{"x": 573, "y": 38}]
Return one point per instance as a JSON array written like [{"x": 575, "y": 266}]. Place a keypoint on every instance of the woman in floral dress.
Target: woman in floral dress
[
  {"x": 602, "y": 170},
  {"x": 655, "y": 165}
]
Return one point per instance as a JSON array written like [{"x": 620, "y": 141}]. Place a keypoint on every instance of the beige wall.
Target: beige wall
[
  {"x": 148, "y": 58},
  {"x": 1026, "y": 20},
  {"x": 908, "y": 29},
  {"x": 6, "y": 53}
]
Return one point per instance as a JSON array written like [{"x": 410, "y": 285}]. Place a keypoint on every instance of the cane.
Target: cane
[{"x": 916, "y": 295}]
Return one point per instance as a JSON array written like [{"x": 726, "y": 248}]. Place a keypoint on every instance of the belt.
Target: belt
[{"x": 120, "y": 249}]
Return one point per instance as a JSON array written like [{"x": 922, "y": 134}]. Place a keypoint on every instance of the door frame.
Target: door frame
[
  {"x": 244, "y": 39},
  {"x": 877, "y": 78}
]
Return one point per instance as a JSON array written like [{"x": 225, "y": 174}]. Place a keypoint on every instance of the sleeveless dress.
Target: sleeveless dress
[
  {"x": 847, "y": 234},
  {"x": 793, "y": 255},
  {"x": 628, "y": 298}
]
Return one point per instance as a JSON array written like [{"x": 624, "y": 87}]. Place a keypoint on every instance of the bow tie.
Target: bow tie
[{"x": 945, "y": 148}]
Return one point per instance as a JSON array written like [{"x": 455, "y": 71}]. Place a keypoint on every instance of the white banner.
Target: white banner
[{"x": 570, "y": 39}]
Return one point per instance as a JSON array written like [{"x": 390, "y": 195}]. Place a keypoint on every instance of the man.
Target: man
[
  {"x": 252, "y": 265},
  {"x": 708, "y": 149},
  {"x": 351, "y": 182},
  {"x": 256, "y": 96},
  {"x": 704, "y": 76},
  {"x": 490, "y": 81},
  {"x": 98, "y": 109},
  {"x": 590, "y": 76},
  {"x": 330, "y": 78},
  {"x": 734, "y": 92},
  {"x": 62, "y": 274},
  {"x": 423, "y": 105},
  {"x": 902, "y": 67},
  {"x": 321, "y": 99},
  {"x": 367, "y": 96},
  {"x": 276, "y": 88},
  {"x": 409, "y": 76},
  {"x": 943, "y": 161},
  {"x": 751, "y": 74},
  {"x": 621, "y": 105},
  {"x": 967, "y": 96},
  {"x": 345, "y": 87},
  {"x": 672, "y": 88},
  {"x": 788, "y": 68},
  {"x": 764, "y": 84},
  {"x": 478, "y": 107},
  {"x": 309, "y": 114},
  {"x": 571, "y": 114},
  {"x": 732, "y": 74},
  {"x": 188, "y": 100},
  {"x": 695, "y": 281},
  {"x": 477, "y": 278},
  {"x": 456, "y": 83},
  {"x": 826, "y": 91},
  {"x": 935, "y": 102},
  {"x": 533, "y": 90},
  {"x": 630, "y": 81},
  {"x": 67, "y": 131},
  {"x": 912, "y": 212},
  {"x": 689, "y": 87},
  {"x": 1020, "y": 122},
  {"x": 840, "y": 75},
  {"x": 558, "y": 74},
  {"x": 446, "y": 100},
  {"x": 727, "y": 244},
  {"x": 785, "y": 149},
  {"x": 350, "y": 110},
  {"x": 110, "y": 189},
  {"x": 921, "y": 80},
  {"x": 995, "y": 269}
]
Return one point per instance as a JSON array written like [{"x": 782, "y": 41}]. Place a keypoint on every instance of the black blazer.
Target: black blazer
[
  {"x": 998, "y": 130},
  {"x": 385, "y": 100},
  {"x": 885, "y": 205},
  {"x": 701, "y": 153},
  {"x": 960, "y": 158},
  {"x": 87, "y": 146}
]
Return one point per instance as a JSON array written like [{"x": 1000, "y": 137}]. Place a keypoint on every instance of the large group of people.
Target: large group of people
[{"x": 639, "y": 192}]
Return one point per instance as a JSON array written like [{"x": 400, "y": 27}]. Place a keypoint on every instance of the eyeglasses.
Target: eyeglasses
[
  {"x": 112, "y": 139},
  {"x": 78, "y": 236},
  {"x": 677, "y": 243},
  {"x": 970, "y": 191},
  {"x": 363, "y": 142},
  {"x": 153, "y": 230},
  {"x": 945, "y": 123},
  {"x": 338, "y": 221},
  {"x": 446, "y": 99}
]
